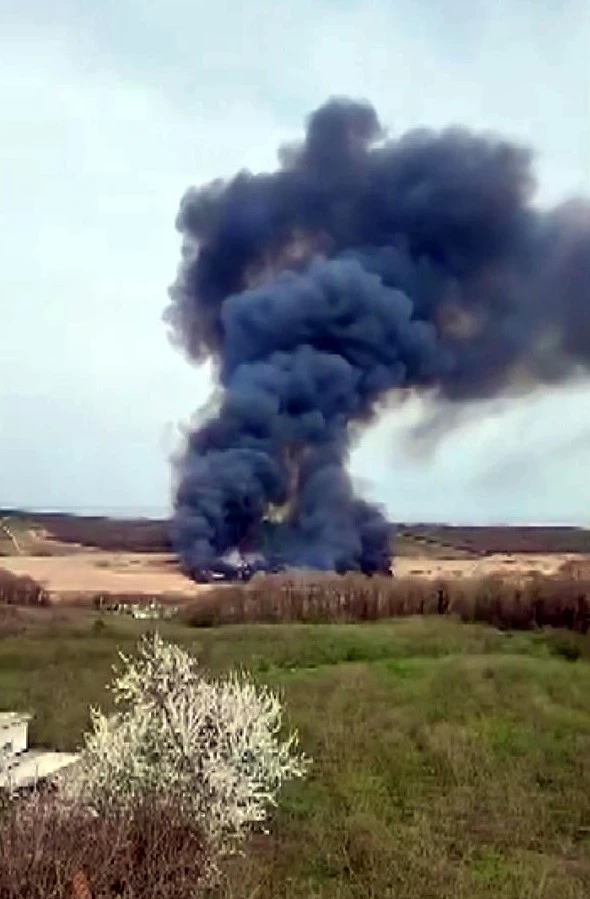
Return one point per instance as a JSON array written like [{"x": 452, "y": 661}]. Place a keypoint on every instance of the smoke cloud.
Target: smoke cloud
[{"x": 361, "y": 267}]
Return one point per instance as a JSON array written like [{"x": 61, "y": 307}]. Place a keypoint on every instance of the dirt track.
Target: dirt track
[{"x": 156, "y": 574}]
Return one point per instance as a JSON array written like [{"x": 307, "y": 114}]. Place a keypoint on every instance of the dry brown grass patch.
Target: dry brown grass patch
[{"x": 147, "y": 851}]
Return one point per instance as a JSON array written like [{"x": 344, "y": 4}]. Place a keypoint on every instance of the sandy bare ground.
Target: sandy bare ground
[
  {"x": 512, "y": 565},
  {"x": 102, "y": 572},
  {"x": 156, "y": 574}
]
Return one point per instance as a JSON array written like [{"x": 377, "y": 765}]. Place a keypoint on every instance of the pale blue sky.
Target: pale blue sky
[{"x": 111, "y": 109}]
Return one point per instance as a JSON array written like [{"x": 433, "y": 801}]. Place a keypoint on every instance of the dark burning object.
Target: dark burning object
[
  {"x": 359, "y": 268},
  {"x": 221, "y": 571},
  {"x": 235, "y": 567}
]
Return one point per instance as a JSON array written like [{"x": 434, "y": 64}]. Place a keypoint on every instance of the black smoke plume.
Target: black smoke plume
[{"x": 360, "y": 267}]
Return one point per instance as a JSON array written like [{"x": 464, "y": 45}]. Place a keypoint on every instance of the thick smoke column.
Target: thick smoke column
[{"x": 360, "y": 267}]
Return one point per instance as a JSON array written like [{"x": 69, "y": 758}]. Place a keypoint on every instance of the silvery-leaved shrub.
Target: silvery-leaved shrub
[{"x": 216, "y": 745}]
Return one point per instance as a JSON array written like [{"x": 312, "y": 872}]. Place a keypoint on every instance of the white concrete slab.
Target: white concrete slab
[{"x": 33, "y": 766}]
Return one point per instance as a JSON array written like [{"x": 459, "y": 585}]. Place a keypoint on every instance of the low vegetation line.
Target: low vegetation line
[{"x": 561, "y": 602}]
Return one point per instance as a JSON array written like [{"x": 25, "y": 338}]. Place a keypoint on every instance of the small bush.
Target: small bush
[
  {"x": 214, "y": 747},
  {"x": 20, "y": 589},
  {"x": 566, "y": 648},
  {"x": 99, "y": 627}
]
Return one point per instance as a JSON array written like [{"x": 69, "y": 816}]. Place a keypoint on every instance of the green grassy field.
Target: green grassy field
[{"x": 450, "y": 760}]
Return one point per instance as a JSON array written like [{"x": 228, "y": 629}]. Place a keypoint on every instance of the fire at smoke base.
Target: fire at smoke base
[{"x": 362, "y": 266}]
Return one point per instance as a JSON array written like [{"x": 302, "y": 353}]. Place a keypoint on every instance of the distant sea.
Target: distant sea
[{"x": 154, "y": 512}]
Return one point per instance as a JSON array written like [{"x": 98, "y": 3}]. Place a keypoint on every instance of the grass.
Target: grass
[{"x": 450, "y": 760}]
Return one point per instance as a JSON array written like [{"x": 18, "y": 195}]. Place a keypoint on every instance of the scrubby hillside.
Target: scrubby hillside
[
  {"x": 451, "y": 761},
  {"x": 53, "y": 532}
]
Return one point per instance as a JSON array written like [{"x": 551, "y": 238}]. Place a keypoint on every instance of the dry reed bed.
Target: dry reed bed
[
  {"x": 538, "y": 601},
  {"x": 21, "y": 590},
  {"x": 535, "y": 602}
]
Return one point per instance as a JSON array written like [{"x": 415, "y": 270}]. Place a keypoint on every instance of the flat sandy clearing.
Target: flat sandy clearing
[
  {"x": 156, "y": 574},
  {"x": 504, "y": 565},
  {"x": 102, "y": 572}
]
